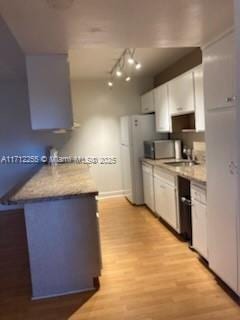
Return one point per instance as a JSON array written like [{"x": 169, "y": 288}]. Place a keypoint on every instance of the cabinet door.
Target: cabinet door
[
  {"x": 157, "y": 196},
  {"x": 148, "y": 102},
  {"x": 165, "y": 202},
  {"x": 199, "y": 228},
  {"x": 148, "y": 187},
  {"x": 219, "y": 78},
  {"x": 181, "y": 94},
  {"x": 162, "y": 109},
  {"x": 49, "y": 91},
  {"x": 169, "y": 213},
  {"x": 199, "y": 99},
  {"x": 222, "y": 194}
]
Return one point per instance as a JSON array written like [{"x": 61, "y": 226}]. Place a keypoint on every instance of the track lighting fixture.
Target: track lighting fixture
[{"x": 121, "y": 67}]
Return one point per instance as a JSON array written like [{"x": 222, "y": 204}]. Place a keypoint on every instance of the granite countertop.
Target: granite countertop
[
  {"x": 64, "y": 181},
  {"x": 195, "y": 173}
]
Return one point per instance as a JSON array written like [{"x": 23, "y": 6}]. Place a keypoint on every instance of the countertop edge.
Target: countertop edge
[
  {"x": 7, "y": 201},
  {"x": 53, "y": 198},
  {"x": 169, "y": 169}
]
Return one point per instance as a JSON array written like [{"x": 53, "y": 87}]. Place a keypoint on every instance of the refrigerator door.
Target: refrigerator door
[
  {"x": 143, "y": 128},
  {"x": 134, "y": 130},
  {"x": 125, "y": 123},
  {"x": 127, "y": 172}
]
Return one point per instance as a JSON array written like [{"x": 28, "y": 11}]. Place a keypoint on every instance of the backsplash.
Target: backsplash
[
  {"x": 188, "y": 138},
  {"x": 199, "y": 151}
]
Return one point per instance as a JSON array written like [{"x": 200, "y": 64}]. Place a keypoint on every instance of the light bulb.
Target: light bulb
[
  {"x": 128, "y": 79},
  {"x": 118, "y": 73},
  {"x": 110, "y": 83},
  {"x": 138, "y": 66},
  {"x": 131, "y": 60}
]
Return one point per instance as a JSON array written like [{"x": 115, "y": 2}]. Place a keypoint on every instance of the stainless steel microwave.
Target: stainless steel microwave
[{"x": 159, "y": 149}]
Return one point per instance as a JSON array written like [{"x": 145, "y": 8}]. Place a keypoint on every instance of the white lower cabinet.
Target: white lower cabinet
[
  {"x": 199, "y": 220},
  {"x": 165, "y": 197},
  {"x": 148, "y": 186}
]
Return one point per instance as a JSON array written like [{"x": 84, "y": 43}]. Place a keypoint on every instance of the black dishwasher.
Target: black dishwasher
[{"x": 185, "y": 209}]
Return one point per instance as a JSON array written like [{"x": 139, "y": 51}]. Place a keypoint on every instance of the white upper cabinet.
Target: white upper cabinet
[
  {"x": 219, "y": 88},
  {"x": 148, "y": 102},
  {"x": 162, "y": 108},
  {"x": 181, "y": 94},
  {"x": 49, "y": 91},
  {"x": 199, "y": 99}
]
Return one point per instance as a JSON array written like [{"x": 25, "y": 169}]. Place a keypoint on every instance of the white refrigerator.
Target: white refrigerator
[{"x": 135, "y": 130}]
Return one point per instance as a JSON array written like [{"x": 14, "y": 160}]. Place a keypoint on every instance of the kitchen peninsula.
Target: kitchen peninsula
[{"x": 60, "y": 210}]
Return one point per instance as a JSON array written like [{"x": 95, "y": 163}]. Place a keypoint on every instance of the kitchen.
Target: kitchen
[{"x": 144, "y": 269}]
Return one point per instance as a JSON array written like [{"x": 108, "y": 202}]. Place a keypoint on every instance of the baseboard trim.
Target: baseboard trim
[{"x": 111, "y": 194}]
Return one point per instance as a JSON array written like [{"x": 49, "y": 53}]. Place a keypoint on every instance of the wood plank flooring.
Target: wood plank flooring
[{"x": 148, "y": 274}]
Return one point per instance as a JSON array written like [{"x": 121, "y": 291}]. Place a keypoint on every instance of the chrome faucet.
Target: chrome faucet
[{"x": 189, "y": 153}]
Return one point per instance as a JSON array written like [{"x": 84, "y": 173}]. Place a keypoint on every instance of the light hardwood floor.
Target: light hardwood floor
[{"x": 148, "y": 274}]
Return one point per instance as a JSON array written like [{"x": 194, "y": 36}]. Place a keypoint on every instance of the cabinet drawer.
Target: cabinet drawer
[
  {"x": 147, "y": 168},
  {"x": 199, "y": 194},
  {"x": 165, "y": 176}
]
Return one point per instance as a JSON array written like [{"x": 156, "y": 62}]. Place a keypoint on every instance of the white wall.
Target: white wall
[
  {"x": 16, "y": 135},
  {"x": 98, "y": 110}
]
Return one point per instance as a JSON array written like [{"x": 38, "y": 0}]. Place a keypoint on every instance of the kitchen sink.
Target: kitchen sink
[{"x": 182, "y": 163}]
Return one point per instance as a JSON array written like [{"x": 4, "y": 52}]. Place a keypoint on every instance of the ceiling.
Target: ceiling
[
  {"x": 40, "y": 28},
  {"x": 97, "y": 62}
]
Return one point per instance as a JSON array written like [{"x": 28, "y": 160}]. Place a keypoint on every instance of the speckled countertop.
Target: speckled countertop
[
  {"x": 64, "y": 181},
  {"x": 196, "y": 173}
]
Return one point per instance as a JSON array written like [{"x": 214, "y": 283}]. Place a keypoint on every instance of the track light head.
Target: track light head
[
  {"x": 127, "y": 79},
  {"x": 131, "y": 60},
  {"x": 118, "y": 73},
  {"x": 138, "y": 65}
]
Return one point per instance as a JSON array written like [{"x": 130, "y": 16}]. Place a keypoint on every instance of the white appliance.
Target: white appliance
[{"x": 134, "y": 130}]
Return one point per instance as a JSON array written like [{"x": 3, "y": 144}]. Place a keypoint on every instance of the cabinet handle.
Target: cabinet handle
[
  {"x": 186, "y": 201},
  {"x": 233, "y": 168},
  {"x": 179, "y": 108},
  {"x": 231, "y": 99}
]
